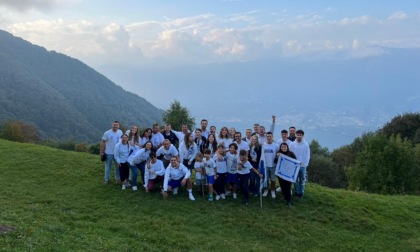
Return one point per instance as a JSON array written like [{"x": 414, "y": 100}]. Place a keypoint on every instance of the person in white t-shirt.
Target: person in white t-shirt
[
  {"x": 109, "y": 140},
  {"x": 269, "y": 150},
  {"x": 261, "y": 132},
  {"x": 181, "y": 134},
  {"x": 302, "y": 151},
  {"x": 232, "y": 158},
  {"x": 244, "y": 170},
  {"x": 157, "y": 138},
  {"x": 166, "y": 151},
  {"x": 153, "y": 173},
  {"x": 284, "y": 139},
  {"x": 211, "y": 171},
  {"x": 242, "y": 145},
  {"x": 177, "y": 175},
  {"x": 224, "y": 137}
]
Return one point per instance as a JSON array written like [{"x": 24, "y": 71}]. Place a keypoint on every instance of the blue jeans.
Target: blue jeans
[
  {"x": 108, "y": 163},
  {"x": 134, "y": 174},
  {"x": 254, "y": 183},
  {"x": 141, "y": 167},
  {"x": 300, "y": 181}
]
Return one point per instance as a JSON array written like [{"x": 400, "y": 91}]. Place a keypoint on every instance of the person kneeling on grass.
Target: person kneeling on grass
[
  {"x": 176, "y": 175},
  {"x": 154, "y": 172}
]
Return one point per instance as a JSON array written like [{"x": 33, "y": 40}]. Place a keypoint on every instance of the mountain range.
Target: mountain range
[{"x": 63, "y": 97}]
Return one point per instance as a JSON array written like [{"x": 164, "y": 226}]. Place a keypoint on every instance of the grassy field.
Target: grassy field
[{"x": 56, "y": 200}]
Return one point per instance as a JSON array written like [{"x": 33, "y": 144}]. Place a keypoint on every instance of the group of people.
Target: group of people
[{"x": 224, "y": 163}]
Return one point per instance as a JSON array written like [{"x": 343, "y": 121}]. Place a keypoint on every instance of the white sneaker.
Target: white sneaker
[
  {"x": 265, "y": 193},
  {"x": 278, "y": 189},
  {"x": 191, "y": 197},
  {"x": 175, "y": 191},
  {"x": 134, "y": 188},
  {"x": 228, "y": 193},
  {"x": 223, "y": 196},
  {"x": 123, "y": 187},
  {"x": 217, "y": 197},
  {"x": 127, "y": 184},
  {"x": 273, "y": 194},
  {"x": 234, "y": 195}
]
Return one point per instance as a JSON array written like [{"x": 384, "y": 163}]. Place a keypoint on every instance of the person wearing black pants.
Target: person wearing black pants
[
  {"x": 284, "y": 184},
  {"x": 244, "y": 170}
]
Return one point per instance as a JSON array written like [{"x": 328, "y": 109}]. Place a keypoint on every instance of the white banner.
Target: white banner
[{"x": 287, "y": 168}]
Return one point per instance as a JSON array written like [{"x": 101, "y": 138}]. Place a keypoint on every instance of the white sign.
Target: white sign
[{"x": 287, "y": 168}]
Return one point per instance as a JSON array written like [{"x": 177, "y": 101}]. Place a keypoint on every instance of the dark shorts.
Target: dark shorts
[
  {"x": 175, "y": 183},
  {"x": 232, "y": 178}
]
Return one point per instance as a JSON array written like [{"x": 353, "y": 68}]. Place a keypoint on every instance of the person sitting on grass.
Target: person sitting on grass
[
  {"x": 153, "y": 173},
  {"x": 177, "y": 175},
  {"x": 210, "y": 170}
]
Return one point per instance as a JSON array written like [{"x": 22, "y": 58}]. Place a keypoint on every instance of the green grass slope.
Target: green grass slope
[{"x": 56, "y": 201}]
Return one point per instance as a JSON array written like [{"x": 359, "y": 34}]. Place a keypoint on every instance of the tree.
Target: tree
[
  {"x": 385, "y": 165},
  {"x": 323, "y": 170},
  {"x": 178, "y": 115},
  {"x": 407, "y": 125},
  {"x": 19, "y": 132}
]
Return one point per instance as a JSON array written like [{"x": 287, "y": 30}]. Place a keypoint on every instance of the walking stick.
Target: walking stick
[
  {"x": 202, "y": 181},
  {"x": 261, "y": 186}
]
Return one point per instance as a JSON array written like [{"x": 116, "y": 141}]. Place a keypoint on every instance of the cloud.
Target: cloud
[
  {"x": 209, "y": 38},
  {"x": 25, "y": 5},
  {"x": 399, "y": 15},
  {"x": 84, "y": 40},
  {"x": 361, "y": 20}
]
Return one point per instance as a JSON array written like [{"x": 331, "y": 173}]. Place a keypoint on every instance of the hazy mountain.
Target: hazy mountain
[
  {"x": 61, "y": 96},
  {"x": 334, "y": 100}
]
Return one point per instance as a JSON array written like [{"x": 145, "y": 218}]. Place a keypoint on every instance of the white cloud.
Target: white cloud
[
  {"x": 361, "y": 20},
  {"x": 356, "y": 44},
  {"x": 83, "y": 39},
  {"x": 399, "y": 15},
  {"x": 213, "y": 38}
]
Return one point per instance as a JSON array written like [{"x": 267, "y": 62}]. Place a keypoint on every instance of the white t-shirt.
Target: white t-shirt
[
  {"x": 111, "y": 138},
  {"x": 220, "y": 164},
  {"x": 167, "y": 154},
  {"x": 280, "y": 141},
  {"x": 157, "y": 168},
  {"x": 242, "y": 146},
  {"x": 210, "y": 165},
  {"x": 232, "y": 162},
  {"x": 246, "y": 168},
  {"x": 157, "y": 139},
  {"x": 269, "y": 151},
  {"x": 200, "y": 167}
]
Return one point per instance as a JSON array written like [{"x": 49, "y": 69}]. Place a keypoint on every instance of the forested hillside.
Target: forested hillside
[{"x": 61, "y": 96}]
